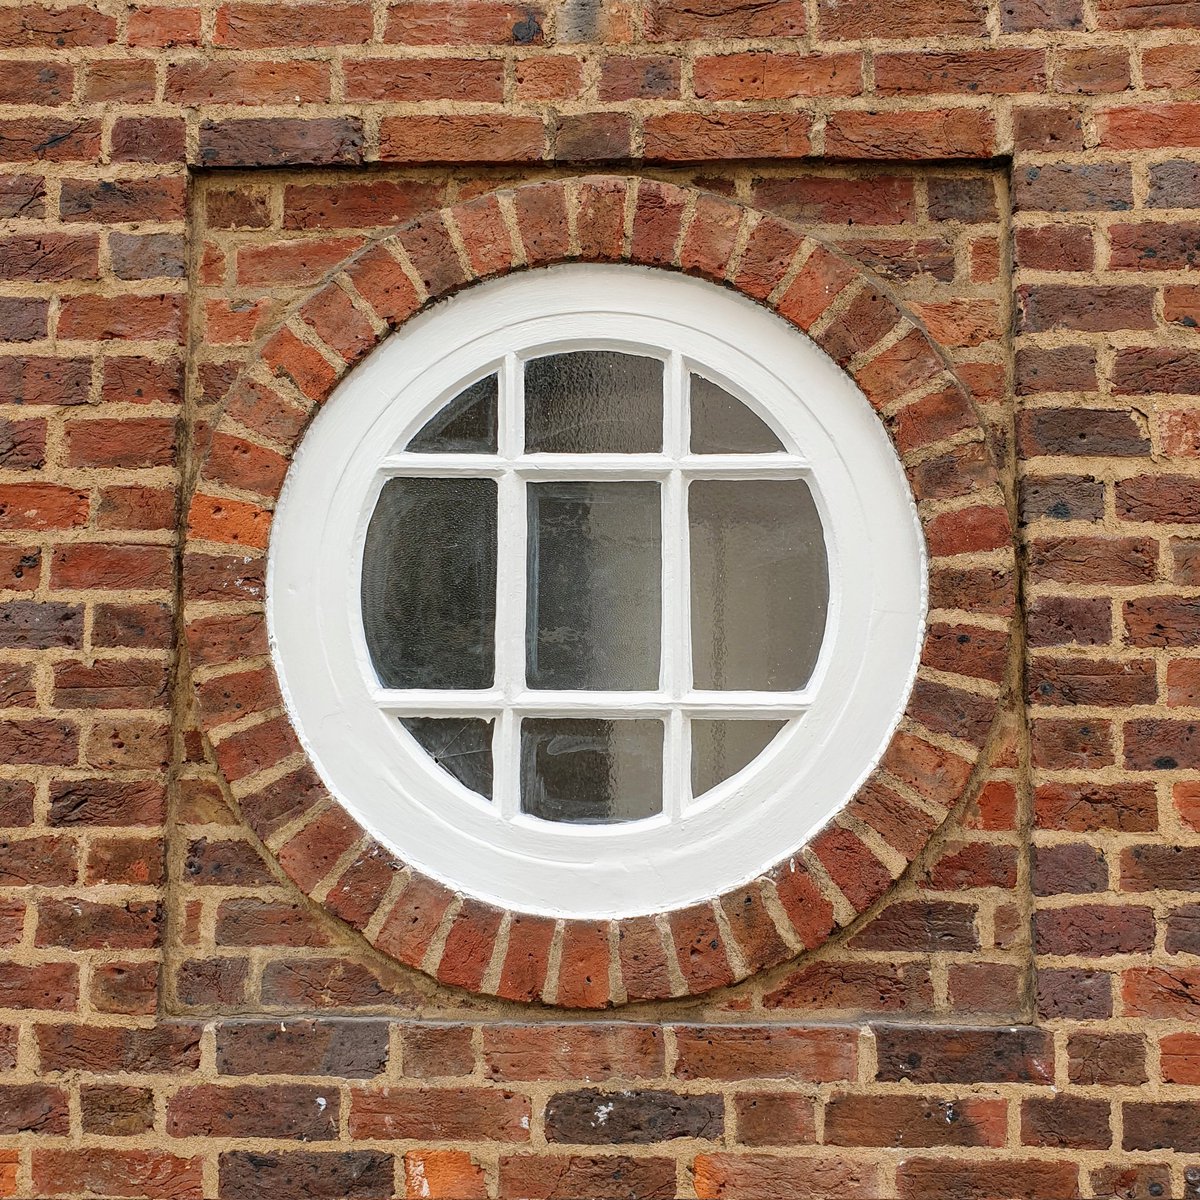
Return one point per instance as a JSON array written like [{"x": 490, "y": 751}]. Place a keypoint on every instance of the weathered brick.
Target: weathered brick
[
  {"x": 618, "y": 1118},
  {"x": 963, "y": 1055}
]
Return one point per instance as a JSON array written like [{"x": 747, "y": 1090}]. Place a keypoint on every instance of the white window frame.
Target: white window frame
[{"x": 840, "y": 723}]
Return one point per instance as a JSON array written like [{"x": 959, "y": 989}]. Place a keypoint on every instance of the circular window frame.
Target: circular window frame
[
  {"x": 859, "y": 689},
  {"x": 968, "y": 663}
]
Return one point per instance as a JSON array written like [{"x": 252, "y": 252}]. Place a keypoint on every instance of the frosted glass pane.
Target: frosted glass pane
[
  {"x": 722, "y": 424},
  {"x": 460, "y": 745},
  {"x": 591, "y": 771},
  {"x": 594, "y": 585},
  {"x": 593, "y": 401},
  {"x": 760, "y": 583},
  {"x": 722, "y": 748},
  {"x": 467, "y": 425},
  {"x": 429, "y": 583}
]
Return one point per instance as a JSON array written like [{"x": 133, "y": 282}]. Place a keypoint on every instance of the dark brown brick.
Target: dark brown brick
[
  {"x": 594, "y": 1117},
  {"x": 963, "y": 1055}
]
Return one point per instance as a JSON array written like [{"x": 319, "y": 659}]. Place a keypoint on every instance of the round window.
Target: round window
[{"x": 595, "y": 591}]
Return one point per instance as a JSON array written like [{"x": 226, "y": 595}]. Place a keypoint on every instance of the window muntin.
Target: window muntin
[
  {"x": 379, "y": 769},
  {"x": 655, "y": 571}
]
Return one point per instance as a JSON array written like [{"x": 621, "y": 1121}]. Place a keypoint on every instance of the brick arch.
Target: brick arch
[{"x": 795, "y": 906}]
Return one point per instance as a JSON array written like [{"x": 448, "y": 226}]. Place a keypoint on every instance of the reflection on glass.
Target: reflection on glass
[
  {"x": 429, "y": 583},
  {"x": 460, "y": 745},
  {"x": 585, "y": 770},
  {"x": 467, "y": 425},
  {"x": 760, "y": 583},
  {"x": 594, "y": 578},
  {"x": 722, "y": 424},
  {"x": 723, "y": 748},
  {"x": 593, "y": 401}
]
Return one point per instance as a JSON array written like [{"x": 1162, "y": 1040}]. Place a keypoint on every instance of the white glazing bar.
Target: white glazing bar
[
  {"x": 602, "y": 466},
  {"x": 746, "y": 466},
  {"x": 510, "y": 590},
  {"x": 415, "y": 701},
  {"x": 676, "y": 673}
]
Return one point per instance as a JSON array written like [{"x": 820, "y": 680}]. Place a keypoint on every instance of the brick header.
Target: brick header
[{"x": 851, "y": 862}]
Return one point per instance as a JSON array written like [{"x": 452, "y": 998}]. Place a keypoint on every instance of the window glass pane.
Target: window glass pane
[
  {"x": 467, "y": 425},
  {"x": 723, "y": 748},
  {"x": 760, "y": 583},
  {"x": 594, "y": 572},
  {"x": 593, "y": 401},
  {"x": 588, "y": 770},
  {"x": 722, "y": 424},
  {"x": 460, "y": 745},
  {"x": 429, "y": 583}
]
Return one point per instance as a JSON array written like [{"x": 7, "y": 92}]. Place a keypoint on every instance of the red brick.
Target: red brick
[
  {"x": 557, "y": 77},
  {"x": 148, "y": 139},
  {"x": 648, "y": 77},
  {"x": 150, "y": 1173},
  {"x": 702, "y": 137},
  {"x": 348, "y": 205},
  {"x": 588, "y": 1052},
  {"x": 50, "y": 986},
  {"x": 854, "y": 987},
  {"x": 42, "y": 83},
  {"x": 257, "y": 82},
  {"x": 1162, "y": 993},
  {"x": 33, "y": 26},
  {"x": 1092, "y": 308},
  {"x": 744, "y": 1176},
  {"x": 643, "y": 959},
  {"x": 49, "y": 257},
  {"x": 254, "y": 922},
  {"x": 1020, "y": 1179},
  {"x": 282, "y": 1111},
  {"x": 699, "y": 948},
  {"x": 757, "y": 75},
  {"x": 48, "y": 139},
  {"x": 673, "y": 20},
  {"x": 446, "y": 22},
  {"x": 774, "y": 1119},
  {"x": 548, "y": 1177},
  {"x": 904, "y": 1121},
  {"x": 925, "y": 72},
  {"x": 1106, "y": 1058},
  {"x": 593, "y": 137},
  {"x": 1180, "y": 1057},
  {"x": 330, "y": 983},
  {"x": 943, "y": 133},
  {"x": 103, "y": 317},
  {"x": 1145, "y": 126},
  {"x": 432, "y": 1051},
  {"x": 443, "y": 1173},
  {"x": 481, "y": 138},
  {"x": 1125, "y": 14},
  {"x": 413, "y": 920},
  {"x": 130, "y": 80},
  {"x": 764, "y": 1051},
  {"x": 1095, "y": 71},
  {"x": 426, "y": 1114},
  {"x": 415, "y": 79},
  {"x": 116, "y": 1111}
]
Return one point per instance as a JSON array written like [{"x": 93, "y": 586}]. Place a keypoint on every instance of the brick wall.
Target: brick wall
[{"x": 1015, "y": 1017}]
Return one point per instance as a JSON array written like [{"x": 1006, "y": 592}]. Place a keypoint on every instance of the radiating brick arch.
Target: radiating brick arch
[{"x": 856, "y": 857}]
